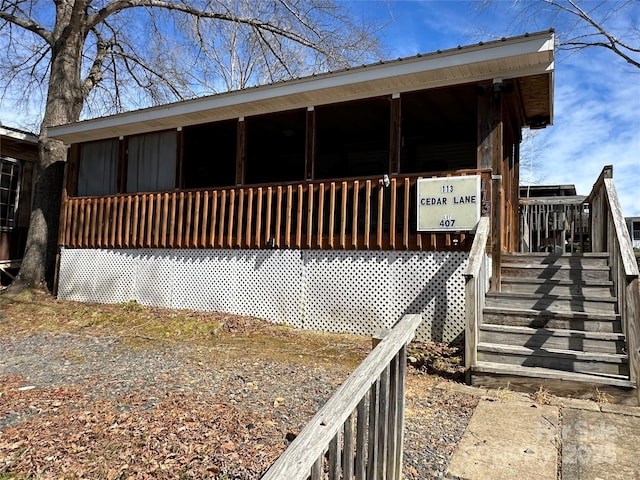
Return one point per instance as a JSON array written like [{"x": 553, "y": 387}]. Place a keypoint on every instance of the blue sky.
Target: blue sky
[{"x": 597, "y": 96}]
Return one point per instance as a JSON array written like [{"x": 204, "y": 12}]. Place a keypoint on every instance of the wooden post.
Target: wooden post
[
  {"x": 395, "y": 134},
  {"x": 241, "y": 152},
  {"x": 310, "y": 145},
  {"x": 179, "y": 183}
]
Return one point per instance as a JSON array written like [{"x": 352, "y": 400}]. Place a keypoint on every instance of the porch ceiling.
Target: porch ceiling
[{"x": 528, "y": 58}]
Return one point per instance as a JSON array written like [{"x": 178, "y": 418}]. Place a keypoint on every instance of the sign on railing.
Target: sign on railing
[{"x": 448, "y": 204}]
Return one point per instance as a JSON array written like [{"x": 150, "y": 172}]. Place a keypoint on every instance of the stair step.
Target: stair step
[
  {"x": 555, "y": 272},
  {"x": 538, "y": 301},
  {"x": 556, "y": 287},
  {"x": 576, "y": 260},
  {"x": 617, "y": 388},
  {"x": 536, "y": 338},
  {"x": 555, "y": 319},
  {"x": 557, "y": 359}
]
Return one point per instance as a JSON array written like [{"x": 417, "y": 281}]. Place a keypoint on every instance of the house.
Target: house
[
  {"x": 18, "y": 154},
  {"x": 633, "y": 224},
  {"x": 297, "y": 201}
]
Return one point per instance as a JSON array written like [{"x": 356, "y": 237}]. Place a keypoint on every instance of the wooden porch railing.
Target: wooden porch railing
[
  {"x": 360, "y": 428},
  {"x": 609, "y": 234},
  {"x": 476, "y": 286},
  {"x": 554, "y": 224},
  {"x": 363, "y": 213}
]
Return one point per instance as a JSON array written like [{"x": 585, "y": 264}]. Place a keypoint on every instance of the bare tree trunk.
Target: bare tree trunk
[{"x": 65, "y": 98}]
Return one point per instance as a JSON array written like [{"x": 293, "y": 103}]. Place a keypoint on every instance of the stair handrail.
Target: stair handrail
[
  {"x": 476, "y": 276},
  {"x": 371, "y": 403},
  {"x": 610, "y": 234}
]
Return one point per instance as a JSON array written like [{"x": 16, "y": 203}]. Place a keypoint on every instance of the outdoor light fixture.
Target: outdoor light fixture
[{"x": 385, "y": 180}]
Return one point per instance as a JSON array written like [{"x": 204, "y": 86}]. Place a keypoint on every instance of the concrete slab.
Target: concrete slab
[
  {"x": 509, "y": 440},
  {"x": 599, "y": 445}
]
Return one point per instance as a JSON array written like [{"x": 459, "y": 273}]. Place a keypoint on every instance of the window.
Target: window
[
  {"x": 636, "y": 230},
  {"x": 98, "y": 168},
  {"x": 152, "y": 162},
  {"x": 10, "y": 173}
]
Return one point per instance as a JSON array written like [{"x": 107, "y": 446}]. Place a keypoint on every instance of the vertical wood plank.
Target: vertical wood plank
[
  {"x": 165, "y": 220},
  {"x": 267, "y": 227},
  {"x": 108, "y": 222},
  {"x": 94, "y": 222},
  {"x": 320, "y": 215},
  {"x": 287, "y": 231},
  {"x": 180, "y": 229},
  {"x": 258, "y": 243},
  {"x": 113, "y": 222},
  {"x": 372, "y": 457},
  {"x": 405, "y": 223},
  {"x": 223, "y": 207},
  {"x": 196, "y": 219},
  {"x": 332, "y": 211},
  {"x": 400, "y": 394},
  {"x": 347, "y": 455},
  {"x": 392, "y": 218},
  {"x": 239, "y": 232},
  {"x": 188, "y": 213},
  {"x": 70, "y": 206},
  {"x": 380, "y": 215},
  {"x": 395, "y": 135},
  {"x": 343, "y": 216},
  {"x": 361, "y": 440},
  {"x": 232, "y": 207},
  {"x": 214, "y": 218},
  {"x": 310, "y": 144},
  {"x": 127, "y": 226},
  {"x": 299, "y": 217},
  {"x": 278, "y": 215},
  {"x": 249, "y": 218},
  {"x": 172, "y": 223},
  {"x": 87, "y": 223},
  {"x": 97, "y": 236},
  {"x": 134, "y": 221},
  {"x": 354, "y": 219},
  {"x": 150, "y": 208},
  {"x": 367, "y": 213},
  {"x": 241, "y": 151},
  {"x": 334, "y": 458},
  {"x": 143, "y": 220},
  {"x": 383, "y": 425},
  {"x": 205, "y": 218},
  {"x": 316, "y": 470},
  {"x": 310, "y": 216}
]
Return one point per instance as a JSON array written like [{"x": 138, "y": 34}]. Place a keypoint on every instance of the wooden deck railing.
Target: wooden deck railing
[
  {"x": 554, "y": 224},
  {"x": 360, "y": 428},
  {"x": 609, "y": 234},
  {"x": 348, "y": 214},
  {"x": 476, "y": 276}
]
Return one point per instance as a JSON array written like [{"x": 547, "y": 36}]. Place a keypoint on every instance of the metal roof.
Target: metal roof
[{"x": 529, "y": 58}]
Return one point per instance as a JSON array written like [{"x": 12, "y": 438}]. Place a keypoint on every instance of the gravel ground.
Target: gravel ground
[{"x": 50, "y": 381}]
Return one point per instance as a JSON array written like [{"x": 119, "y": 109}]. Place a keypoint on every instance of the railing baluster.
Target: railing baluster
[
  {"x": 372, "y": 457},
  {"x": 347, "y": 451},
  {"x": 367, "y": 213},
  {"x": 299, "y": 217},
  {"x": 334, "y": 458},
  {"x": 232, "y": 207},
  {"x": 121, "y": 202},
  {"x": 258, "y": 243},
  {"x": 287, "y": 231},
  {"x": 249, "y": 217},
  {"x": 214, "y": 217},
  {"x": 172, "y": 222},
  {"x": 332, "y": 211},
  {"x": 188, "y": 213},
  {"x": 354, "y": 220},
  {"x": 223, "y": 207},
  {"x": 205, "y": 218},
  {"x": 180, "y": 230},
  {"x": 165, "y": 220},
  {"x": 405, "y": 223},
  {"x": 320, "y": 215},
  {"x": 361, "y": 440},
  {"x": 380, "y": 215},
  {"x": 150, "y": 220},
  {"x": 392, "y": 216},
  {"x": 96, "y": 240},
  {"x": 239, "y": 232},
  {"x": 343, "y": 216},
  {"x": 278, "y": 216},
  {"x": 196, "y": 220},
  {"x": 310, "y": 216}
]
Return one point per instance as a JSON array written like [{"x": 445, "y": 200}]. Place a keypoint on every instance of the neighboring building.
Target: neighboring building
[
  {"x": 300, "y": 201},
  {"x": 18, "y": 153},
  {"x": 633, "y": 224}
]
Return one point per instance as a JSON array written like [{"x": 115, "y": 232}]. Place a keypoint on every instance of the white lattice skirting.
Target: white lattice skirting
[{"x": 356, "y": 291}]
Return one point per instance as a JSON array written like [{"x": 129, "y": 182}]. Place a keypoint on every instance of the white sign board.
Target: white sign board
[{"x": 448, "y": 204}]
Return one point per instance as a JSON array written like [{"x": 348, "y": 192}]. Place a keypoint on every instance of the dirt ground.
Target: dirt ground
[{"x": 126, "y": 391}]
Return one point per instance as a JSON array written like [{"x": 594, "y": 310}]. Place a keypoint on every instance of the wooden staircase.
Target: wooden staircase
[{"x": 554, "y": 323}]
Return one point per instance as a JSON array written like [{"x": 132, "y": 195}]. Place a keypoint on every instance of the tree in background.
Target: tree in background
[
  {"x": 581, "y": 24},
  {"x": 83, "y": 58}
]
